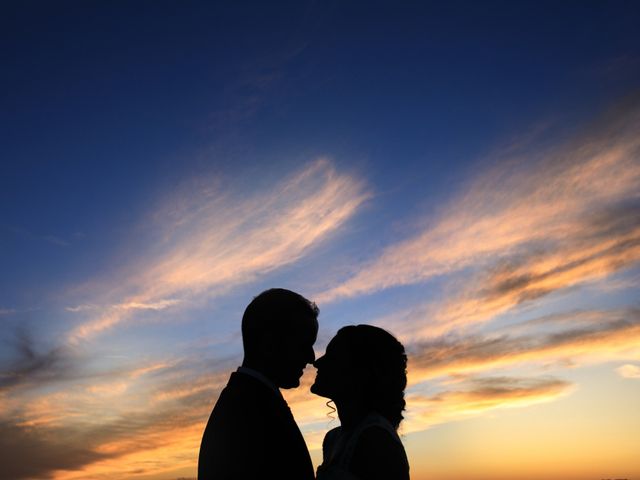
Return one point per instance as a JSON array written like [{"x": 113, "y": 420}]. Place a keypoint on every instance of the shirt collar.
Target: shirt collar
[{"x": 259, "y": 376}]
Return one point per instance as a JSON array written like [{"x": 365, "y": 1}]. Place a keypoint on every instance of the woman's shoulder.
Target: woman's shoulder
[
  {"x": 376, "y": 425},
  {"x": 331, "y": 438},
  {"x": 376, "y": 438},
  {"x": 332, "y": 434},
  {"x": 379, "y": 453}
]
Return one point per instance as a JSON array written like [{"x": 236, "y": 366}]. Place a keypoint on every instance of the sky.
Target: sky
[{"x": 463, "y": 174}]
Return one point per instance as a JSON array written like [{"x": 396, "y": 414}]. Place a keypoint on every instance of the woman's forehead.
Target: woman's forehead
[{"x": 338, "y": 343}]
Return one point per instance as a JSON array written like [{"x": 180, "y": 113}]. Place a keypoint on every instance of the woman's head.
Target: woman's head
[{"x": 367, "y": 365}]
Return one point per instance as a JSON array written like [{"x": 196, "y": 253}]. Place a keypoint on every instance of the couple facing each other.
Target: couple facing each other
[{"x": 251, "y": 432}]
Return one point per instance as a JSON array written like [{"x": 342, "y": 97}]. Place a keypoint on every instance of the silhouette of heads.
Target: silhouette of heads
[
  {"x": 364, "y": 366},
  {"x": 279, "y": 328}
]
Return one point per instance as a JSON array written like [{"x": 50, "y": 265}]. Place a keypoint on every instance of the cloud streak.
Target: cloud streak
[
  {"x": 213, "y": 239},
  {"x": 160, "y": 305},
  {"x": 606, "y": 335},
  {"x": 479, "y": 395},
  {"x": 536, "y": 222},
  {"x": 473, "y": 395},
  {"x": 52, "y": 239},
  {"x": 26, "y": 453},
  {"x": 473, "y": 362},
  {"x": 31, "y": 366},
  {"x": 147, "y": 418},
  {"x": 628, "y": 371},
  {"x": 521, "y": 232}
]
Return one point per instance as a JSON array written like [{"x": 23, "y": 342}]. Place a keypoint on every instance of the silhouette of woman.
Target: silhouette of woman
[{"x": 364, "y": 373}]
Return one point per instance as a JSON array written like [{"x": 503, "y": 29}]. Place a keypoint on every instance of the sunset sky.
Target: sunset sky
[{"x": 463, "y": 174}]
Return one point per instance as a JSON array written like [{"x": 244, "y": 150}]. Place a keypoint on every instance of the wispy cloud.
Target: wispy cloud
[
  {"x": 212, "y": 239},
  {"x": 629, "y": 371},
  {"x": 478, "y": 395},
  {"x": 81, "y": 308},
  {"x": 147, "y": 418},
  {"x": 259, "y": 83},
  {"x": 25, "y": 453},
  {"x": 110, "y": 443},
  {"x": 538, "y": 221},
  {"x": 52, "y": 239},
  {"x": 475, "y": 365},
  {"x": 32, "y": 366},
  {"x": 522, "y": 278},
  {"x": 56, "y": 240},
  {"x": 615, "y": 335},
  {"x": 520, "y": 233},
  {"x": 159, "y": 305},
  {"x": 473, "y": 395},
  {"x": 517, "y": 279}
]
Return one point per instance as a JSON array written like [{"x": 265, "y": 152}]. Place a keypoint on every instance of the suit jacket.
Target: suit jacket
[{"x": 252, "y": 434}]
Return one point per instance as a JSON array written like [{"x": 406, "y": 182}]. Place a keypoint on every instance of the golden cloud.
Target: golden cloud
[
  {"x": 615, "y": 335},
  {"x": 571, "y": 212},
  {"x": 211, "y": 240},
  {"x": 628, "y": 371},
  {"x": 478, "y": 395}
]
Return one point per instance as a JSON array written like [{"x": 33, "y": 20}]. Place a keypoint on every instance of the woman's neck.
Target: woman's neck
[{"x": 350, "y": 413}]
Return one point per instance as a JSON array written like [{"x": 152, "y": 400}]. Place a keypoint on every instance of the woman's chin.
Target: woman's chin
[{"x": 317, "y": 390}]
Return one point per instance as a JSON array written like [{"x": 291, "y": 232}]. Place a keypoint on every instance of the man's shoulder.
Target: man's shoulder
[
  {"x": 240, "y": 408},
  {"x": 251, "y": 422}
]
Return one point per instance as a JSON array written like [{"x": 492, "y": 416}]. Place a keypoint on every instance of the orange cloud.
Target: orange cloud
[
  {"x": 150, "y": 453},
  {"x": 154, "y": 367},
  {"x": 478, "y": 395},
  {"x": 567, "y": 200},
  {"x": 629, "y": 371},
  {"x": 79, "y": 433},
  {"x": 27, "y": 452},
  {"x": 474, "y": 396},
  {"x": 616, "y": 335},
  {"x": 560, "y": 340},
  {"x": 212, "y": 239},
  {"x": 524, "y": 278}
]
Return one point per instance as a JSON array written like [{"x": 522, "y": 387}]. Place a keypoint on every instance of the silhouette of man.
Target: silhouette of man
[{"x": 251, "y": 432}]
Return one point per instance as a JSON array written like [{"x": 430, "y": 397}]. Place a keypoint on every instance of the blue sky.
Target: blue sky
[{"x": 464, "y": 174}]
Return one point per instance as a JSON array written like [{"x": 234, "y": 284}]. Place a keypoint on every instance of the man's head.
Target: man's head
[{"x": 279, "y": 328}]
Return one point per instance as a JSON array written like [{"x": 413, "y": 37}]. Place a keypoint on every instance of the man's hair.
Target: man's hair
[{"x": 276, "y": 311}]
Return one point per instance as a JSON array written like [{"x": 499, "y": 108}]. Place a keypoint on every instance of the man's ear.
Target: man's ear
[{"x": 268, "y": 345}]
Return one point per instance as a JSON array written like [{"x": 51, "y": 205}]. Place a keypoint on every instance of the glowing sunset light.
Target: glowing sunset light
[{"x": 464, "y": 175}]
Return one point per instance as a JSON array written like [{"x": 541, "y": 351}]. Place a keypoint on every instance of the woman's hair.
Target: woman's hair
[{"x": 381, "y": 363}]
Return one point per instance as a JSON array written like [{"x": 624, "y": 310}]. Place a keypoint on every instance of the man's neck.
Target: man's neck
[{"x": 257, "y": 374}]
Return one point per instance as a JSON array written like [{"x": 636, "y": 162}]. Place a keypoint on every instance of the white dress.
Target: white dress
[{"x": 338, "y": 448}]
